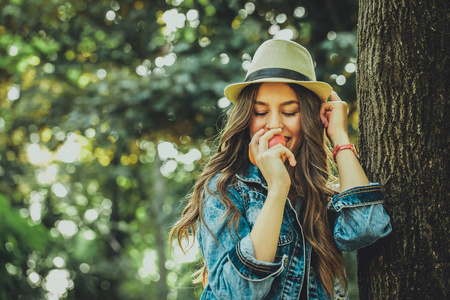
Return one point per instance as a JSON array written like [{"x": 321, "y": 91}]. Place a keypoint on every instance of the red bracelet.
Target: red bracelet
[{"x": 342, "y": 147}]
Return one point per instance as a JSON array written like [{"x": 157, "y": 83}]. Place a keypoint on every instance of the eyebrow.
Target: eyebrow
[{"x": 282, "y": 104}]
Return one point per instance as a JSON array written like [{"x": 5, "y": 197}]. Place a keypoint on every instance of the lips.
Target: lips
[{"x": 288, "y": 144}]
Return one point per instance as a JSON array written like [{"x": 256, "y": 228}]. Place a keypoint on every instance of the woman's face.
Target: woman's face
[{"x": 276, "y": 106}]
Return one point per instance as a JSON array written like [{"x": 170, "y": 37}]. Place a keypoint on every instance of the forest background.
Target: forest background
[{"x": 109, "y": 110}]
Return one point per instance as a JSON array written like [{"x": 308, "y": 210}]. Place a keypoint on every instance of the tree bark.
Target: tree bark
[{"x": 403, "y": 124}]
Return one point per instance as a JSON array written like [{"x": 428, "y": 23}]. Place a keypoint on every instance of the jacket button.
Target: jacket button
[{"x": 310, "y": 271}]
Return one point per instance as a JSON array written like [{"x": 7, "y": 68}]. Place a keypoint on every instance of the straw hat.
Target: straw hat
[{"x": 281, "y": 61}]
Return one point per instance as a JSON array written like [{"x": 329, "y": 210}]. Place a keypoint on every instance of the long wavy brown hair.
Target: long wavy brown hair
[{"x": 310, "y": 177}]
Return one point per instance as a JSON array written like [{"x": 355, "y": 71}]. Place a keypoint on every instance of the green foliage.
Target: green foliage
[
  {"x": 108, "y": 110},
  {"x": 18, "y": 239}
]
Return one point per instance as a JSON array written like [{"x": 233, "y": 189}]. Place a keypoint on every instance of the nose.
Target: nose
[{"x": 274, "y": 121}]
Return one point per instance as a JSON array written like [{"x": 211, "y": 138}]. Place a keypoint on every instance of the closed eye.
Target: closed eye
[{"x": 260, "y": 114}]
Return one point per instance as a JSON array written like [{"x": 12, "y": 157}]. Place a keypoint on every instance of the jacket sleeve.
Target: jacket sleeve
[
  {"x": 361, "y": 219},
  {"x": 233, "y": 271}
]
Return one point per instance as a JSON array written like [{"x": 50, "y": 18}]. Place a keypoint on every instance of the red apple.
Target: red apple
[
  {"x": 250, "y": 156},
  {"x": 276, "y": 139}
]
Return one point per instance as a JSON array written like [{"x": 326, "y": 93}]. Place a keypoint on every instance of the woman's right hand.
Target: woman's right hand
[{"x": 269, "y": 160}]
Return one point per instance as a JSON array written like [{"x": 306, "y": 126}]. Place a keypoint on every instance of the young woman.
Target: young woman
[{"x": 274, "y": 229}]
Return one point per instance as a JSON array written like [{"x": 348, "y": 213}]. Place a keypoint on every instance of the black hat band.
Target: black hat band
[{"x": 278, "y": 73}]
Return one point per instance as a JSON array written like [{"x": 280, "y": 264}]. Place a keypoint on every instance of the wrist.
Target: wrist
[
  {"x": 278, "y": 191},
  {"x": 338, "y": 148}
]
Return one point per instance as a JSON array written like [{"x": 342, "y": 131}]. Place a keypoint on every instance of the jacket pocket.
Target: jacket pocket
[{"x": 286, "y": 234}]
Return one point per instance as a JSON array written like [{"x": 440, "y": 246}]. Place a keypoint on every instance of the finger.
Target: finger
[
  {"x": 264, "y": 140},
  {"x": 255, "y": 141},
  {"x": 331, "y": 105},
  {"x": 334, "y": 96},
  {"x": 257, "y": 136},
  {"x": 292, "y": 160},
  {"x": 290, "y": 157},
  {"x": 325, "y": 113},
  {"x": 322, "y": 115},
  {"x": 284, "y": 151}
]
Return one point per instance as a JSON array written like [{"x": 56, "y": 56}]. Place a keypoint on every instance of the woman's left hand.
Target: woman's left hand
[{"x": 334, "y": 118}]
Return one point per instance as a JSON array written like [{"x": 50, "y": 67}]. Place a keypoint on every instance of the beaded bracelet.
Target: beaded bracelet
[{"x": 342, "y": 147}]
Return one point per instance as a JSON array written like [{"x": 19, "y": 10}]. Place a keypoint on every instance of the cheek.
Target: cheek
[
  {"x": 295, "y": 126},
  {"x": 255, "y": 125},
  {"x": 296, "y": 129}
]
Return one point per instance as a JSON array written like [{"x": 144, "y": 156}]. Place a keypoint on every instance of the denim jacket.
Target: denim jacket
[{"x": 233, "y": 271}]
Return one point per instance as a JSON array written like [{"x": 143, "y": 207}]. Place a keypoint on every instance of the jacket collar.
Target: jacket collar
[{"x": 252, "y": 174}]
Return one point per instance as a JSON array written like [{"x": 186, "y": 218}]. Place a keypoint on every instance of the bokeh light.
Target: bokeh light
[
  {"x": 57, "y": 282},
  {"x": 67, "y": 228},
  {"x": 13, "y": 92}
]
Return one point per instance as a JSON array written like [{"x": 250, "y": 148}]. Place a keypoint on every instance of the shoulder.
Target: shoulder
[
  {"x": 236, "y": 187},
  {"x": 219, "y": 183},
  {"x": 219, "y": 187}
]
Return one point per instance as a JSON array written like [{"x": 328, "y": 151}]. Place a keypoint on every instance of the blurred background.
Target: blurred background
[{"x": 109, "y": 110}]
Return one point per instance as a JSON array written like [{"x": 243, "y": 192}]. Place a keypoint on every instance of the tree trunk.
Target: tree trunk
[
  {"x": 403, "y": 125},
  {"x": 157, "y": 220},
  {"x": 157, "y": 200}
]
